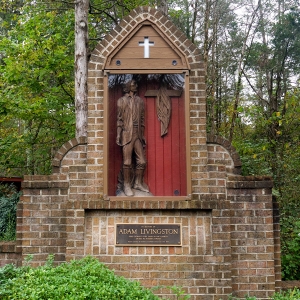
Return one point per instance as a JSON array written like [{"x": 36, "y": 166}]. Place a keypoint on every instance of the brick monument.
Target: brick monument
[{"x": 202, "y": 226}]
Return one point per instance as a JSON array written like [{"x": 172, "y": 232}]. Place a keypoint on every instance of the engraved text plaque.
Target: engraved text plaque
[{"x": 148, "y": 234}]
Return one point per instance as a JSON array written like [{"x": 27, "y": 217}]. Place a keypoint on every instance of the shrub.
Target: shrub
[
  {"x": 9, "y": 197},
  {"x": 288, "y": 295},
  {"x": 80, "y": 279},
  {"x": 284, "y": 295},
  {"x": 290, "y": 242}
]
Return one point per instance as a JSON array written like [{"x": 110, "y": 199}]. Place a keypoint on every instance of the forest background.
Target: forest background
[{"x": 251, "y": 51}]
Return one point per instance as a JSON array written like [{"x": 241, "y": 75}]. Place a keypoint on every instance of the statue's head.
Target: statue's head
[
  {"x": 125, "y": 88},
  {"x": 130, "y": 86}
]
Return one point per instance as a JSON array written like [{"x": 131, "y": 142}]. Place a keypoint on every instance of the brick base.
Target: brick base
[{"x": 8, "y": 254}]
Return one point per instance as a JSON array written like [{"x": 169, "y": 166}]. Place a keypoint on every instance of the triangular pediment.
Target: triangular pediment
[{"x": 146, "y": 48}]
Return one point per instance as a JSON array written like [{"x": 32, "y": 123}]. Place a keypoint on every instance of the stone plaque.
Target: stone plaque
[{"x": 148, "y": 234}]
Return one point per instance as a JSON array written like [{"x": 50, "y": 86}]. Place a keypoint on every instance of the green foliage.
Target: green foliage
[
  {"x": 181, "y": 16},
  {"x": 37, "y": 77},
  {"x": 288, "y": 295},
  {"x": 103, "y": 15},
  {"x": 286, "y": 39},
  {"x": 36, "y": 90},
  {"x": 9, "y": 198},
  {"x": 290, "y": 245},
  {"x": 253, "y": 153},
  {"x": 283, "y": 295},
  {"x": 279, "y": 156},
  {"x": 246, "y": 298},
  {"x": 79, "y": 279},
  {"x": 179, "y": 292}
]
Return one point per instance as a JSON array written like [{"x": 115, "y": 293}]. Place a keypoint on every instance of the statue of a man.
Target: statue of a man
[{"x": 130, "y": 136}]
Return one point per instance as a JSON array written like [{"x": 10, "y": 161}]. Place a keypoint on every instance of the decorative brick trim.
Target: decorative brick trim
[
  {"x": 249, "y": 182},
  {"x": 216, "y": 139},
  {"x": 64, "y": 149},
  {"x": 207, "y": 202},
  {"x": 7, "y": 247},
  {"x": 8, "y": 253},
  {"x": 138, "y": 15},
  {"x": 289, "y": 285},
  {"x": 45, "y": 182}
]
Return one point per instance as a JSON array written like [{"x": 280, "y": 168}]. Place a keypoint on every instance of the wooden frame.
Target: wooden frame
[
  {"x": 184, "y": 65},
  {"x": 127, "y": 48},
  {"x": 187, "y": 142}
]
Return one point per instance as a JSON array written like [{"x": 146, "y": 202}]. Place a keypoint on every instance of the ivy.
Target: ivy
[{"x": 9, "y": 197}]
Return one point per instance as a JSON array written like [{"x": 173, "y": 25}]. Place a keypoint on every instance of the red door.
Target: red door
[{"x": 166, "y": 156}]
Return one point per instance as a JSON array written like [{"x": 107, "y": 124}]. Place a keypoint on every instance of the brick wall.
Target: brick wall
[
  {"x": 155, "y": 266},
  {"x": 8, "y": 254},
  {"x": 229, "y": 242},
  {"x": 42, "y": 215},
  {"x": 42, "y": 211},
  {"x": 230, "y": 222},
  {"x": 252, "y": 236}
]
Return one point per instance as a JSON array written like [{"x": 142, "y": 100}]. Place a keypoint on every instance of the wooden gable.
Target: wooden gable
[{"x": 146, "y": 48}]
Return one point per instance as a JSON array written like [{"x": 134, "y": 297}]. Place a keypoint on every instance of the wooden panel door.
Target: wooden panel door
[
  {"x": 166, "y": 156},
  {"x": 115, "y": 151}
]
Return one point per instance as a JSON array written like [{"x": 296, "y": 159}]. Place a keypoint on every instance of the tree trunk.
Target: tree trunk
[
  {"x": 194, "y": 22},
  {"x": 238, "y": 88},
  {"x": 206, "y": 47},
  {"x": 81, "y": 61},
  {"x": 162, "y": 5}
]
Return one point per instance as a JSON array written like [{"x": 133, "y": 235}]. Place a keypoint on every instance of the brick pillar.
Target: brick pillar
[
  {"x": 79, "y": 189},
  {"x": 8, "y": 254},
  {"x": 277, "y": 248},
  {"x": 252, "y": 236},
  {"x": 41, "y": 218}
]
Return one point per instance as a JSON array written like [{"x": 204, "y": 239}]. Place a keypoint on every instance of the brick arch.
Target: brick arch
[
  {"x": 139, "y": 15},
  {"x": 196, "y": 87},
  {"x": 64, "y": 149},
  {"x": 215, "y": 139}
]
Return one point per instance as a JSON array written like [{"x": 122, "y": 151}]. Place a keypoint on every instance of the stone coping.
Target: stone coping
[
  {"x": 8, "y": 246},
  {"x": 207, "y": 203},
  {"x": 289, "y": 284},
  {"x": 249, "y": 182}
]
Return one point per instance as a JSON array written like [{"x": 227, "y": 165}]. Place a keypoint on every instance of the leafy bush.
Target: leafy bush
[
  {"x": 290, "y": 230},
  {"x": 178, "y": 291},
  {"x": 9, "y": 197},
  {"x": 290, "y": 244},
  {"x": 80, "y": 279},
  {"x": 246, "y": 298},
  {"x": 288, "y": 295},
  {"x": 284, "y": 295}
]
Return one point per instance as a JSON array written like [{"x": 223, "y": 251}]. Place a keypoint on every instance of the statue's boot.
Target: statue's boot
[
  {"x": 127, "y": 182},
  {"x": 139, "y": 183}
]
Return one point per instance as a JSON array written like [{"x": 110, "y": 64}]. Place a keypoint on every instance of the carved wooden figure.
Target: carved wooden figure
[{"x": 130, "y": 136}]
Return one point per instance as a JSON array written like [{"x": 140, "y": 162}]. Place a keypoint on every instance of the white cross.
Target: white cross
[{"x": 146, "y": 45}]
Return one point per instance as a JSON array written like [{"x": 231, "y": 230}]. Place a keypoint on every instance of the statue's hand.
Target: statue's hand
[{"x": 118, "y": 140}]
